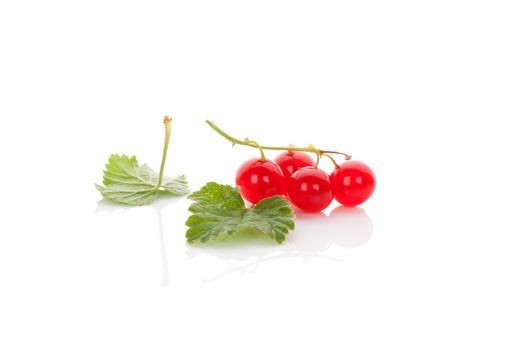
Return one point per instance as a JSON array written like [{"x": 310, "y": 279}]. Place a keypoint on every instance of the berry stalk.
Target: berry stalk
[{"x": 251, "y": 143}]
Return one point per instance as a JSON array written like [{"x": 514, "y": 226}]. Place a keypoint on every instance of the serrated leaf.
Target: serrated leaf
[
  {"x": 127, "y": 182},
  {"x": 219, "y": 210}
]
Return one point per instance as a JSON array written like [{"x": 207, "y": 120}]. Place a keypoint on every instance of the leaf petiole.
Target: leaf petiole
[{"x": 167, "y": 136}]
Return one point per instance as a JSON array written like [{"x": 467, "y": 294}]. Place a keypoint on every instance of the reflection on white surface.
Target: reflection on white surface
[
  {"x": 345, "y": 227},
  {"x": 350, "y": 227},
  {"x": 314, "y": 234},
  {"x": 158, "y": 205},
  {"x": 165, "y": 268}
]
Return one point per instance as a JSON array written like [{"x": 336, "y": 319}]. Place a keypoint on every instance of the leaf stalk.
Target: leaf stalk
[{"x": 167, "y": 136}]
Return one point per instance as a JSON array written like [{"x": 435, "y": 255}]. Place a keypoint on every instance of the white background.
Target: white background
[{"x": 429, "y": 93}]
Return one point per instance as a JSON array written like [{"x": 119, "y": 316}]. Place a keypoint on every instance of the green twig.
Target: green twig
[{"x": 251, "y": 143}]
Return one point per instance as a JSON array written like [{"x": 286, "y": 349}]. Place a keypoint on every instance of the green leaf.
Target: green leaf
[
  {"x": 219, "y": 210},
  {"x": 127, "y": 182}
]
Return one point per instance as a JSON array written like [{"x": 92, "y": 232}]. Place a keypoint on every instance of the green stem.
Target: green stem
[
  {"x": 251, "y": 143},
  {"x": 167, "y": 135},
  {"x": 263, "y": 157}
]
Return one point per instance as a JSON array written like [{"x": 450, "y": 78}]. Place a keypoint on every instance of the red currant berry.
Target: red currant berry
[
  {"x": 258, "y": 179},
  {"x": 352, "y": 183},
  {"x": 309, "y": 189},
  {"x": 290, "y": 162}
]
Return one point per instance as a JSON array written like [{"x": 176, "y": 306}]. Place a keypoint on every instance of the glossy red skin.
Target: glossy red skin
[
  {"x": 352, "y": 183},
  {"x": 258, "y": 179},
  {"x": 290, "y": 162},
  {"x": 309, "y": 189}
]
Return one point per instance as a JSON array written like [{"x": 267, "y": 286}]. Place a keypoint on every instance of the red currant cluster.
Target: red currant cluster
[{"x": 295, "y": 175}]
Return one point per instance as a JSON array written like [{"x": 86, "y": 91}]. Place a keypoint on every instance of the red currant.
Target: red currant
[
  {"x": 352, "y": 183},
  {"x": 309, "y": 189},
  {"x": 258, "y": 179},
  {"x": 290, "y": 162}
]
